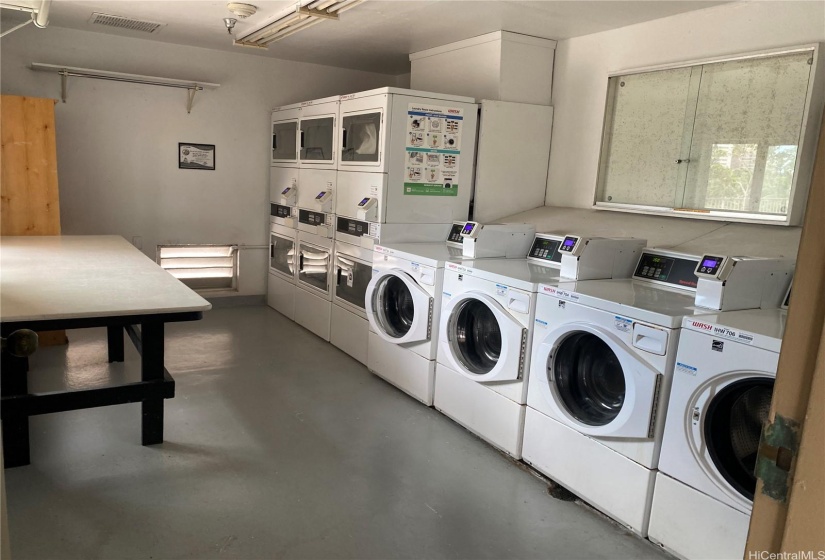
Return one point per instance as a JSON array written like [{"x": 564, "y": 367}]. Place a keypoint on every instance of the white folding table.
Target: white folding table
[{"x": 72, "y": 282}]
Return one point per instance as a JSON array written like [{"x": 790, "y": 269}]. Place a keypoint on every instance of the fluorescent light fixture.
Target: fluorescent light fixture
[{"x": 305, "y": 15}]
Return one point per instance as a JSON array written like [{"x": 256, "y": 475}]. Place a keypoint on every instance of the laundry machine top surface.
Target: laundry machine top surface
[
  {"x": 634, "y": 298},
  {"x": 430, "y": 254},
  {"x": 517, "y": 273},
  {"x": 760, "y": 328}
]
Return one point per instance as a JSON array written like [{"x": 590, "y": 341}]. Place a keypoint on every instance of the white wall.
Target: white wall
[
  {"x": 117, "y": 143},
  {"x": 583, "y": 63}
]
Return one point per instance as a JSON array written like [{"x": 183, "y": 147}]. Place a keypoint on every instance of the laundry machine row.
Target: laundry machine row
[
  {"x": 486, "y": 326},
  {"x": 603, "y": 361},
  {"x": 376, "y": 166},
  {"x": 404, "y": 299}
]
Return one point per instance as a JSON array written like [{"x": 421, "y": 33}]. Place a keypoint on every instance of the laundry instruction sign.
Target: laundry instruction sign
[{"x": 433, "y": 150}]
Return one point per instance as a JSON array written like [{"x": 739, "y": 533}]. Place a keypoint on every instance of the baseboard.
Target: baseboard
[{"x": 236, "y": 301}]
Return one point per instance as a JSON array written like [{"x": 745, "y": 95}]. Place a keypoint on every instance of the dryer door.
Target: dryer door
[
  {"x": 398, "y": 309},
  {"x": 485, "y": 342},
  {"x": 725, "y": 424},
  {"x": 595, "y": 383}
]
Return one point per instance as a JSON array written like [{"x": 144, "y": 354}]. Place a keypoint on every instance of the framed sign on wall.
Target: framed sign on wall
[{"x": 196, "y": 156}]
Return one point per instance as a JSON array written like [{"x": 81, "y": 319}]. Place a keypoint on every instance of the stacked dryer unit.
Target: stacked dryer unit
[
  {"x": 405, "y": 173},
  {"x": 720, "y": 399},
  {"x": 317, "y": 175},
  {"x": 486, "y": 325},
  {"x": 602, "y": 363},
  {"x": 283, "y": 211},
  {"x": 403, "y": 303}
]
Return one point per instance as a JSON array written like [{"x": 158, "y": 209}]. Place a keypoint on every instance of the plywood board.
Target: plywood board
[{"x": 29, "y": 200}]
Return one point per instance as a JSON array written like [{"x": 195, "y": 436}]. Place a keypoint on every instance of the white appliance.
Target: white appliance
[
  {"x": 720, "y": 398},
  {"x": 313, "y": 296},
  {"x": 403, "y": 305},
  {"x": 283, "y": 173},
  {"x": 486, "y": 323},
  {"x": 406, "y": 156},
  {"x": 283, "y": 260},
  {"x": 353, "y": 270},
  {"x": 602, "y": 363},
  {"x": 317, "y": 146},
  {"x": 285, "y": 136},
  {"x": 283, "y": 210},
  {"x": 496, "y": 240}
]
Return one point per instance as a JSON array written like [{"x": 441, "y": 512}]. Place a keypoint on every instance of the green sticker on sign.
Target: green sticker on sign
[{"x": 431, "y": 189}]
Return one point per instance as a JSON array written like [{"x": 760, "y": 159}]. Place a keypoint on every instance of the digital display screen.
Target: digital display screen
[
  {"x": 320, "y": 195},
  {"x": 286, "y": 190},
  {"x": 280, "y": 211},
  {"x": 311, "y": 218},
  {"x": 545, "y": 249},
  {"x": 468, "y": 228},
  {"x": 363, "y": 201},
  {"x": 352, "y": 227},
  {"x": 455, "y": 233},
  {"x": 568, "y": 244},
  {"x": 678, "y": 271},
  {"x": 710, "y": 264}
]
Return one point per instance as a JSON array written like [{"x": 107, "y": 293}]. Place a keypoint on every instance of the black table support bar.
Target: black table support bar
[{"x": 61, "y": 401}]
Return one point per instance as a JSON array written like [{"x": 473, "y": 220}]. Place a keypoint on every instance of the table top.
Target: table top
[{"x": 80, "y": 276}]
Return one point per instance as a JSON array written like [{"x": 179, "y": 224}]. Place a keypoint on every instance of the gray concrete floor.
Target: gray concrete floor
[{"x": 277, "y": 445}]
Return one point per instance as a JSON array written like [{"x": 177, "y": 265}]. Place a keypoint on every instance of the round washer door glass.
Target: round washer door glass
[
  {"x": 589, "y": 379},
  {"x": 732, "y": 427},
  {"x": 394, "y": 306},
  {"x": 476, "y": 336}
]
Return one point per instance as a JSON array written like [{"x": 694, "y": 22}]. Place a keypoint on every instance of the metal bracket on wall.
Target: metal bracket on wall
[{"x": 65, "y": 71}]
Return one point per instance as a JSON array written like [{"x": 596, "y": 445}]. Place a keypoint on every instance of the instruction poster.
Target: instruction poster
[{"x": 433, "y": 150}]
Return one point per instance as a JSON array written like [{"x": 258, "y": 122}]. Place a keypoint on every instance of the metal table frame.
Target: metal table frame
[{"x": 17, "y": 404}]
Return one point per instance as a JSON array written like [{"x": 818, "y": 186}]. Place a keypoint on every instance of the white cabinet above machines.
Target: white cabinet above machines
[{"x": 410, "y": 151}]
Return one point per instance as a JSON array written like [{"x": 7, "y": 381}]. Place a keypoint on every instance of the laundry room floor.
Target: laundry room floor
[{"x": 277, "y": 445}]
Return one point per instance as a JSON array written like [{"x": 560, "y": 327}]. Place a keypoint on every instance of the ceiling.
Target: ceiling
[{"x": 377, "y": 35}]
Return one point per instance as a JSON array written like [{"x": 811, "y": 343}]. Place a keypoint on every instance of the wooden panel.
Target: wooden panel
[
  {"x": 29, "y": 201},
  {"x": 29, "y": 198},
  {"x": 797, "y": 362},
  {"x": 806, "y": 510}
]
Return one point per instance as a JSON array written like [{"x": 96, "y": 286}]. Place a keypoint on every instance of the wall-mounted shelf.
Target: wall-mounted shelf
[{"x": 66, "y": 71}]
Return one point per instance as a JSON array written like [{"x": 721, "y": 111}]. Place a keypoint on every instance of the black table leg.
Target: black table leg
[
  {"x": 114, "y": 334},
  {"x": 151, "y": 334},
  {"x": 14, "y": 381}
]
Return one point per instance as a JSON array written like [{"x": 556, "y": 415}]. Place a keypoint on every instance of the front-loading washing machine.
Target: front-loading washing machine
[
  {"x": 602, "y": 363},
  {"x": 720, "y": 399},
  {"x": 486, "y": 324},
  {"x": 403, "y": 304},
  {"x": 353, "y": 269}
]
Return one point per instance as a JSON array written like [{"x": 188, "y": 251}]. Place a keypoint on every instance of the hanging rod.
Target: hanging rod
[{"x": 66, "y": 71}]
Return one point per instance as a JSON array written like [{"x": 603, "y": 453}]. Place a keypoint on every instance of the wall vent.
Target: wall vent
[{"x": 126, "y": 23}]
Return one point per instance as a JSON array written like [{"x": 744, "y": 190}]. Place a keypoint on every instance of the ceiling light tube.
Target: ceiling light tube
[
  {"x": 282, "y": 26},
  {"x": 272, "y": 26},
  {"x": 344, "y": 6},
  {"x": 41, "y": 20},
  {"x": 287, "y": 32}
]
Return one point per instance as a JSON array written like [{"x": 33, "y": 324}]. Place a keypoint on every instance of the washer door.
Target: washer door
[
  {"x": 398, "y": 309},
  {"x": 595, "y": 383},
  {"x": 485, "y": 342},
  {"x": 732, "y": 415}
]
